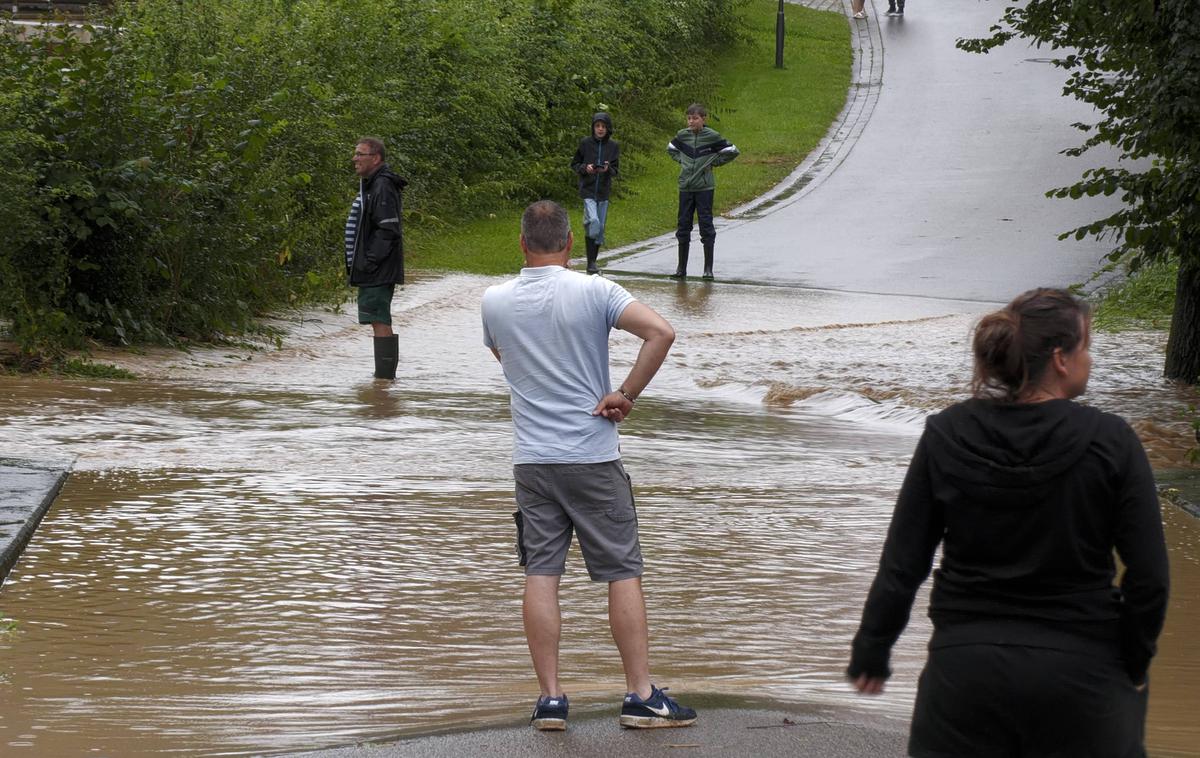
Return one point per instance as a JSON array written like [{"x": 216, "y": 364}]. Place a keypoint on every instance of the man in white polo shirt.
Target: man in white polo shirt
[{"x": 549, "y": 330}]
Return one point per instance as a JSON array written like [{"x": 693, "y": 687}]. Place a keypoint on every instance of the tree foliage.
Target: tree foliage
[
  {"x": 175, "y": 169},
  {"x": 1138, "y": 63}
]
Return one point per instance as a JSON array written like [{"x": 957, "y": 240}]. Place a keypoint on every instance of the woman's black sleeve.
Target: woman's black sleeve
[
  {"x": 912, "y": 539},
  {"x": 1143, "y": 550}
]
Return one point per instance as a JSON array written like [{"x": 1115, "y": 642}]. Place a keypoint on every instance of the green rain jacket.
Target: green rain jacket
[{"x": 698, "y": 153}]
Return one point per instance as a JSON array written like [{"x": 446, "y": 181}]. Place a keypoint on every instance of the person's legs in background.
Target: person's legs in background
[
  {"x": 708, "y": 231},
  {"x": 595, "y": 215},
  {"x": 375, "y": 308},
  {"x": 683, "y": 231}
]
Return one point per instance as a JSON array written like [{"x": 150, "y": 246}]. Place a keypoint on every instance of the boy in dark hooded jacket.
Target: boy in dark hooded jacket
[{"x": 596, "y": 162}]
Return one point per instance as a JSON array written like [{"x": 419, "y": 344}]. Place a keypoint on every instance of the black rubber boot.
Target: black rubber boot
[
  {"x": 708, "y": 260},
  {"x": 681, "y": 269},
  {"x": 593, "y": 250},
  {"x": 387, "y": 356}
]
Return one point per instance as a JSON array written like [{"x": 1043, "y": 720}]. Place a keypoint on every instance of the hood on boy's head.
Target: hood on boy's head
[{"x": 606, "y": 119}]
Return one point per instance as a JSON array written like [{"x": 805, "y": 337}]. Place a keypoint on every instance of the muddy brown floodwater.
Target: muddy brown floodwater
[{"x": 264, "y": 551}]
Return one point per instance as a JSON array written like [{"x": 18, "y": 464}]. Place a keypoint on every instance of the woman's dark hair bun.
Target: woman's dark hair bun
[{"x": 1013, "y": 346}]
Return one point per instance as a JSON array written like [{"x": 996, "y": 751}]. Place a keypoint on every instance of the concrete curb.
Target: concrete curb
[
  {"x": 1181, "y": 487},
  {"x": 727, "y": 728},
  {"x": 867, "y": 45},
  {"x": 27, "y": 488}
]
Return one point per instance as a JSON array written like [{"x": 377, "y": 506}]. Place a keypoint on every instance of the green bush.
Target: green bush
[{"x": 177, "y": 169}]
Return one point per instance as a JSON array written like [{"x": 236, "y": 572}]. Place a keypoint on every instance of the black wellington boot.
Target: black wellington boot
[
  {"x": 593, "y": 250},
  {"x": 708, "y": 260},
  {"x": 681, "y": 269},
  {"x": 387, "y": 356}
]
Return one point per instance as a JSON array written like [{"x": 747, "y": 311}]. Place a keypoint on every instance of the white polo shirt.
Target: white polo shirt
[{"x": 551, "y": 328}]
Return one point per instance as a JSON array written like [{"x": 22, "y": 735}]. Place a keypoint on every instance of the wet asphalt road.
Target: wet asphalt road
[{"x": 933, "y": 181}]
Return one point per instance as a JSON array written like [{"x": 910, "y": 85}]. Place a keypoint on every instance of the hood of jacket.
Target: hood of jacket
[
  {"x": 385, "y": 173},
  {"x": 1008, "y": 448},
  {"x": 606, "y": 120}
]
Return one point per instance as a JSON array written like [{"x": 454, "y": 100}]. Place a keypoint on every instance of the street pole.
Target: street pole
[{"x": 779, "y": 37}]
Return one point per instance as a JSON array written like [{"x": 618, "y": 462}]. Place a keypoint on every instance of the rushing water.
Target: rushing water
[{"x": 264, "y": 550}]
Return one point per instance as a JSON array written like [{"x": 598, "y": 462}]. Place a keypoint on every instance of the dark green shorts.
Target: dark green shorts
[{"x": 375, "y": 304}]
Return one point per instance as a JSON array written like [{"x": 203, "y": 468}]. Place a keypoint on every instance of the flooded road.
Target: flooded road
[{"x": 264, "y": 551}]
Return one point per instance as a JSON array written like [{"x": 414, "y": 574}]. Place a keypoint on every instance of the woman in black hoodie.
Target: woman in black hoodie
[{"x": 1036, "y": 651}]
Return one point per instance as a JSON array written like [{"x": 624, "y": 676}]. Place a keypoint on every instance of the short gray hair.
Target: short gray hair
[
  {"x": 376, "y": 146},
  {"x": 545, "y": 227}
]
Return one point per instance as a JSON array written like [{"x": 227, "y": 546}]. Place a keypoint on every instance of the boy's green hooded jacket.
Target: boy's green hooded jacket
[{"x": 698, "y": 153}]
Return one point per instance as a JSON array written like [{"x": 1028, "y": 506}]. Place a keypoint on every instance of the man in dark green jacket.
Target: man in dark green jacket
[
  {"x": 374, "y": 249},
  {"x": 698, "y": 150}
]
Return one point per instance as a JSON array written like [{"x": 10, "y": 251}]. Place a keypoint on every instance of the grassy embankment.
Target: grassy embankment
[
  {"x": 774, "y": 116},
  {"x": 1144, "y": 300}
]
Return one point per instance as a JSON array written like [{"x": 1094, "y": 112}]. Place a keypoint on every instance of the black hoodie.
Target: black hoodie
[
  {"x": 593, "y": 151},
  {"x": 1029, "y": 502}
]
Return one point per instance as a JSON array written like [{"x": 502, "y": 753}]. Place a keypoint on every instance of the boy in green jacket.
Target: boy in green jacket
[{"x": 698, "y": 150}]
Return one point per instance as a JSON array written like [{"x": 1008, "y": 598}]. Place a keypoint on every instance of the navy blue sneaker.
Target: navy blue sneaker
[
  {"x": 658, "y": 710},
  {"x": 550, "y": 714}
]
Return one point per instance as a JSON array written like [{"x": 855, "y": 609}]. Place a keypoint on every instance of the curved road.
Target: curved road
[{"x": 932, "y": 181}]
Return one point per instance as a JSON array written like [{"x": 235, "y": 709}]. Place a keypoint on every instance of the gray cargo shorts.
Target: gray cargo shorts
[{"x": 593, "y": 500}]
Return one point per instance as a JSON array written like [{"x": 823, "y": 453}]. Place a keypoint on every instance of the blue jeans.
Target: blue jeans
[{"x": 595, "y": 214}]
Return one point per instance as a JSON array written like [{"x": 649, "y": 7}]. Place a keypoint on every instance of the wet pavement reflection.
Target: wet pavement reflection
[{"x": 266, "y": 551}]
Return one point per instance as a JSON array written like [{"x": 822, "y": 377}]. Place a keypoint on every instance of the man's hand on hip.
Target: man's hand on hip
[{"x": 614, "y": 406}]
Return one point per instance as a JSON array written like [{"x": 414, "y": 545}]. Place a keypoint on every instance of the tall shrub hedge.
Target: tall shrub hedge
[{"x": 180, "y": 167}]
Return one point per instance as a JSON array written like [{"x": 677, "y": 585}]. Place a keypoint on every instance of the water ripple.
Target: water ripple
[{"x": 275, "y": 553}]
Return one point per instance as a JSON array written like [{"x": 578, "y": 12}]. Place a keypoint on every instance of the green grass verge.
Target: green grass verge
[
  {"x": 1144, "y": 300},
  {"x": 80, "y": 367},
  {"x": 13, "y": 363},
  {"x": 775, "y": 117}
]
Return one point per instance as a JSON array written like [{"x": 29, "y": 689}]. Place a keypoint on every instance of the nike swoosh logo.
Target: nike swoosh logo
[{"x": 663, "y": 710}]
